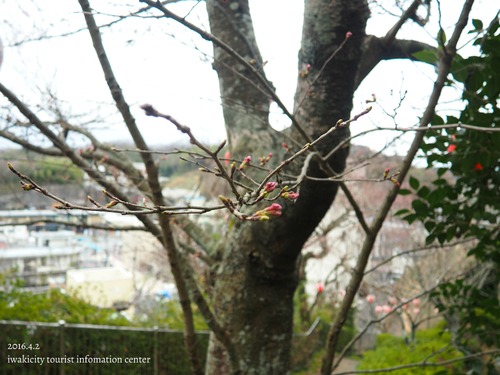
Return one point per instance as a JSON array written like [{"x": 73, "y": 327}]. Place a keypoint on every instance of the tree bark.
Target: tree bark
[{"x": 257, "y": 275}]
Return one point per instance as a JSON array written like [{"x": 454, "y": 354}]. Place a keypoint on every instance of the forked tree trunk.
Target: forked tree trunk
[{"x": 257, "y": 275}]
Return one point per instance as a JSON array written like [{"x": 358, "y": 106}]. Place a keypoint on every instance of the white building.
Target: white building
[{"x": 103, "y": 287}]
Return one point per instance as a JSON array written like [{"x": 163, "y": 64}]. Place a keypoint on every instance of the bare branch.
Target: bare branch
[
  {"x": 416, "y": 250},
  {"x": 73, "y": 224},
  {"x": 261, "y": 79},
  {"x": 388, "y": 47}
]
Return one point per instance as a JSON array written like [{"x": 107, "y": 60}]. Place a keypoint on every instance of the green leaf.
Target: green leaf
[
  {"x": 410, "y": 218},
  {"x": 401, "y": 212},
  {"x": 436, "y": 196},
  {"x": 451, "y": 233},
  {"x": 414, "y": 183},
  {"x": 437, "y": 120},
  {"x": 420, "y": 208},
  {"x": 423, "y": 192},
  {"x": 404, "y": 192},
  {"x": 427, "y": 56},
  {"x": 429, "y": 225},
  {"x": 441, "y": 37},
  {"x": 478, "y": 24},
  {"x": 430, "y": 239}
]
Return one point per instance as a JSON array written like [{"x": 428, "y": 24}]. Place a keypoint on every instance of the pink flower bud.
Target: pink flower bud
[
  {"x": 386, "y": 309},
  {"x": 370, "y": 298},
  {"x": 290, "y": 195},
  {"x": 379, "y": 309},
  {"x": 270, "y": 186},
  {"x": 348, "y": 35},
  {"x": 274, "y": 209},
  {"x": 246, "y": 161},
  {"x": 416, "y": 302}
]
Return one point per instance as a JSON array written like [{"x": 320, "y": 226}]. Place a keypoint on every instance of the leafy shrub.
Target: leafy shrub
[
  {"x": 16, "y": 304},
  {"x": 431, "y": 345}
]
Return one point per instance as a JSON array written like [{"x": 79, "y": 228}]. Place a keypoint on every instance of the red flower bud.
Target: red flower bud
[{"x": 320, "y": 288}]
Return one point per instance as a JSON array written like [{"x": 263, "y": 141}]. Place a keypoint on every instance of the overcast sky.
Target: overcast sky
[{"x": 159, "y": 62}]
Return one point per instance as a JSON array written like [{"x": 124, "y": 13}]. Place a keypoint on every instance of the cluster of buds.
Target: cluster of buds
[
  {"x": 263, "y": 160},
  {"x": 391, "y": 177},
  {"x": 272, "y": 210},
  {"x": 386, "y": 309},
  {"x": 289, "y": 194}
]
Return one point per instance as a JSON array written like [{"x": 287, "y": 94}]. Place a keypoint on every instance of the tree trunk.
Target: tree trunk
[{"x": 257, "y": 276}]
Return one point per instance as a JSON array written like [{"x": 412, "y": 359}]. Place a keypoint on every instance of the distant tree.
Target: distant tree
[{"x": 254, "y": 269}]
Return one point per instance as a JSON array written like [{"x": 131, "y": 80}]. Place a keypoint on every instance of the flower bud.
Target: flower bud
[{"x": 270, "y": 186}]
